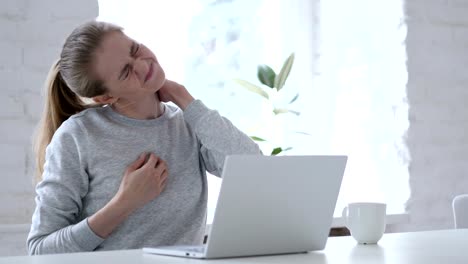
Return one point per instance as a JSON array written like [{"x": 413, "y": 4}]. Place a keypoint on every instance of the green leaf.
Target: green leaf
[
  {"x": 281, "y": 78},
  {"x": 278, "y": 111},
  {"x": 276, "y": 151},
  {"x": 252, "y": 87},
  {"x": 257, "y": 138},
  {"x": 266, "y": 75},
  {"x": 294, "y": 99}
]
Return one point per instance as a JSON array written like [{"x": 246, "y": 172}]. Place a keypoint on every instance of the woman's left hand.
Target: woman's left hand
[{"x": 176, "y": 93}]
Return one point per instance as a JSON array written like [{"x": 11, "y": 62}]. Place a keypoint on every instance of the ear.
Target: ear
[{"x": 104, "y": 99}]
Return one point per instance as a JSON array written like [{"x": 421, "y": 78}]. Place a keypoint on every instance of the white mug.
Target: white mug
[{"x": 365, "y": 221}]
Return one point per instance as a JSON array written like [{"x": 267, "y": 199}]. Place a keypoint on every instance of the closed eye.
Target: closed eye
[
  {"x": 125, "y": 72},
  {"x": 129, "y": 68},
  {"x": 136, "y": 49}
]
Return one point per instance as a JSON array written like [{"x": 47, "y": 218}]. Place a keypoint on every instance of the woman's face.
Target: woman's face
[{"x": 128, "y": 69}]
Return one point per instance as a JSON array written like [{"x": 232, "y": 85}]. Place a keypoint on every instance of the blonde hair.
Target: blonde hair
[{"x": 70, "y": 81}]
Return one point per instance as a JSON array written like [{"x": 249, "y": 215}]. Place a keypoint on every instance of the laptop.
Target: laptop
[{"x": 270, "y": 205}]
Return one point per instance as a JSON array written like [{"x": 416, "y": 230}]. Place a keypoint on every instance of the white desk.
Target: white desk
[{"x": 431, "y": 247}]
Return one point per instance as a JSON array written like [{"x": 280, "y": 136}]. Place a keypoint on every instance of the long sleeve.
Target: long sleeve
[
  {"x": 218, "y": 137},
  {"x": 56, "y": 224}
]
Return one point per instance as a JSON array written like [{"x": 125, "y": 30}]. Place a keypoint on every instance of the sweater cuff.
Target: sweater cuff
[
  {"x": 194, "y": 112},
  {"x": 85, "y": 237}
]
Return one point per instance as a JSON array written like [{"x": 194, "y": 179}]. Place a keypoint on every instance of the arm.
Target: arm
[
  {"x": 217, "y": 135},
  {"x": 55, "y": 223}
]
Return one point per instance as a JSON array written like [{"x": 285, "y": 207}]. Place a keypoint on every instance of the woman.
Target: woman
[{"x": 130, "y": 170}]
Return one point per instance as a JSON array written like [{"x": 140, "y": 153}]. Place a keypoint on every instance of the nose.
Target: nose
[{"x": 141, "y": 68}]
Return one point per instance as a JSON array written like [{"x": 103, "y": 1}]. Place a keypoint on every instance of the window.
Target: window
[
  {"x": 364, "y": 62},
  {"x": 349, "y": 71}
]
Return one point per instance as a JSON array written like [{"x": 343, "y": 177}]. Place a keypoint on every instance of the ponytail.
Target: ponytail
[
  {"x": 60, "y": 103},
  {"x": 72, "y": 71}
]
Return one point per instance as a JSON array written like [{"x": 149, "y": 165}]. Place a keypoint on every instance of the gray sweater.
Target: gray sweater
[{"x": 85, "y": 163}]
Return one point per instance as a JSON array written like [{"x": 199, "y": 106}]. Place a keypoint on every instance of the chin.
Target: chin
[
  {"x": 163, "y": 81},
  {"x": 160, "y": 80},
  {"x": 159, "y": 84},
  {"x": 156, "y": 84}
]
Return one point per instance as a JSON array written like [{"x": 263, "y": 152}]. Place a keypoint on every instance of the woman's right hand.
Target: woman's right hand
[{"x": 142, "y": 182}]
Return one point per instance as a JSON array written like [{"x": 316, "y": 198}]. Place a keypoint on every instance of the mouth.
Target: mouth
[{"x": 150, "y": 72}]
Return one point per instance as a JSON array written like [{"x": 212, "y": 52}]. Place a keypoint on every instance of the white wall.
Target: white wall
[
  {"x": 437, "y": 49},
  {"x": 31, "y": 35}
]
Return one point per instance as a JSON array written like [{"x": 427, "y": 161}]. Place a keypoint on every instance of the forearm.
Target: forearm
[
  {"x": 104, "y": 221},
  {"x": 218, "y": 136},
  {"x": 218, "y": 133},
  {"x": 84, "y": 236},
  {"x": 183, "y": 99},
  {"x": 72, "y": 238}
]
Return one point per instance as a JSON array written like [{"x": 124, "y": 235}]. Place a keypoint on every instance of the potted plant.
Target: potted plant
[{"x": 269, "y": 90}]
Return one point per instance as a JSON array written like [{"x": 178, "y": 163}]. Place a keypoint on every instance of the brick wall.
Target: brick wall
[
  {"x": 31, "y": 35},
  {"x": 437, "y": 50}
]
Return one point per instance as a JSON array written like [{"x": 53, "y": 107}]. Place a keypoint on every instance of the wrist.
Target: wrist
[
  {"x": 184, "y": 102},
  {"x": 104, "y": 221},
  {"x": 182, "y": 98},
  {"x": 119, "y": 205}
]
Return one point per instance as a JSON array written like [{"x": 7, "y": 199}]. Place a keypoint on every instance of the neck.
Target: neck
[{"x": 149, "y": 107}]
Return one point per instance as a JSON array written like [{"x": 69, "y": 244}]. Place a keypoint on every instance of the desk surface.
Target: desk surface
[{"x": 444, "y": 246}]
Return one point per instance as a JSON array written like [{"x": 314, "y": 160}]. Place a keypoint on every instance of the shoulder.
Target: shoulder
[
  {"x": 67, "y": 140},
  {"x": 78, "y": 123},
  {"x": 72, "y": 130},
  {"x": 86, "y": 114},
  {"x": 74, "y": 124}
]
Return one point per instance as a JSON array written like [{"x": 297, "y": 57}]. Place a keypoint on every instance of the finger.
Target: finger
[
  {"x": 159, "y": 170},
  {"x": 162, "y": 185},
  {"x": 164, "y": 175},
  {"x": 158, "y": 174},
  {"x": 161, "y": 163},
  {"x": 161, "y": 178},
  {"x": 161, "y": 166},
  {"x": 138, "y": 163},
  {"x": 163, "y": 182},
  {"x": 152, "y": 161}
]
